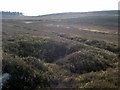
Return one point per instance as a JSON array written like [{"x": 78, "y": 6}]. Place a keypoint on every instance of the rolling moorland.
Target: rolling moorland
[{"x": 64, "y": 50}]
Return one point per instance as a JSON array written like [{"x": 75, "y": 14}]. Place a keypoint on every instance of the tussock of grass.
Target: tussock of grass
[{"x": 42, "y": 62}]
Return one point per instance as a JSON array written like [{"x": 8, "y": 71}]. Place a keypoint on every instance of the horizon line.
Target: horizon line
[{"x": 61, "y": 12}]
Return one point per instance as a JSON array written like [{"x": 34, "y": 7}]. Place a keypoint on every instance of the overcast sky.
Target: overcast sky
[{"x": 41, "y": 7}]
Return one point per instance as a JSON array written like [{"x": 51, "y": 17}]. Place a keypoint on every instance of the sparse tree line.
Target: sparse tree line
[{"x": 8, "y": 13}]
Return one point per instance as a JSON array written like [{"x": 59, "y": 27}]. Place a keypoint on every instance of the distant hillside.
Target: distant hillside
[
  {"x": 69, "y": 15},
  {"x": 79, "y": 14},
  {"x": 97, "y": 18}
]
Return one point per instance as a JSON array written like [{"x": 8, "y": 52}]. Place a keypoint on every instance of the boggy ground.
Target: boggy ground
[{"x": 60, "y": 53}]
